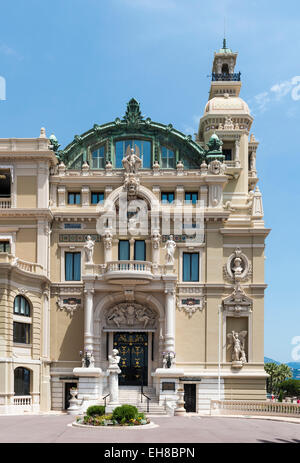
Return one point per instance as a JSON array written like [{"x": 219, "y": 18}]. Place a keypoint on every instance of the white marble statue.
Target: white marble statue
[
  {"x": 170, "y": 248},
  {"x": 89, "y": 249},
  {"x": 88, "y": 360},
  {"x": 237, "y": 268},
  {"x": 132, "y": 162},
  {"x": 168, "y": 359},
  {"x": 237, "y": 345},
  {"x": 114, "y": 360}
]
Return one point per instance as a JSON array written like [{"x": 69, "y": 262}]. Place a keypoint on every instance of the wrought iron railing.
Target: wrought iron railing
[
  {"x": 104, "y": 398},
  {"x": 226, "y": 77}
]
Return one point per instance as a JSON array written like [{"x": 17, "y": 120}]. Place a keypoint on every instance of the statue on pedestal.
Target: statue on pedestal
[
  {"x": 132, "y": 162},
  {"x": 89, "y": 249},
  {"x": 168, "y": 359},
  {"x": 114, "y": 360},
  {"x": 237, "y": 345},
  {"x": 170, "y": 248}
]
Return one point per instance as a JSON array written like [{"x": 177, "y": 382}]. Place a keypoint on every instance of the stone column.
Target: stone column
[
  {"x": 88, "y": 320},
  {"x": 170, "y": 320}
]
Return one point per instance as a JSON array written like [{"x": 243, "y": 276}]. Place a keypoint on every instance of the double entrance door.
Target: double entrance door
[{"x": 133, "y": 350}]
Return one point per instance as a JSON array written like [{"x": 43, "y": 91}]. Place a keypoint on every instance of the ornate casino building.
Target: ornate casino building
[{"x": 95, "y": 256}]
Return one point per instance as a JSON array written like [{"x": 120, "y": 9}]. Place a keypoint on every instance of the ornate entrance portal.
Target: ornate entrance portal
[{"x": 133, "y": 350}]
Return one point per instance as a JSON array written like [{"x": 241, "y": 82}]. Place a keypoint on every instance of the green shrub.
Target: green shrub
[
  {"x": 95, "y": 410},
  {"x": 125, "y": 413}
]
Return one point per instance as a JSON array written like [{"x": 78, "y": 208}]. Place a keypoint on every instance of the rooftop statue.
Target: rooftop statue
[{"x": 132, "y": 162}]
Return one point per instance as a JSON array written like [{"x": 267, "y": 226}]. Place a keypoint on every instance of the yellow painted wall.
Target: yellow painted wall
[{"x": 26, "y": 191}]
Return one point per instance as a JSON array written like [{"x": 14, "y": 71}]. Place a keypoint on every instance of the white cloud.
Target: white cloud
[
  {"x": 277, "y": 92},
  {"x": 261, "y": 101},
  {"x": 8, "y": 51}
]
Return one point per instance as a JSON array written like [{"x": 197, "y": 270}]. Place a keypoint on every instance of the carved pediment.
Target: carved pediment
[
  {"x": 131, "y": 315},
  {"x": 238, "y": 302}
]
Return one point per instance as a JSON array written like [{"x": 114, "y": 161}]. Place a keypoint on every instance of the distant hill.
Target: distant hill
[
  {"x": 295, "y": 366},
  {"x": 268, "y": 360}
]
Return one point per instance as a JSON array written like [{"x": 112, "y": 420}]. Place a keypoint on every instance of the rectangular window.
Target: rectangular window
[
  {"x": 167, "y": 158},
  {"x": 190, "y": 268},
  {"x": 73, "y": 198},
  {"x": 21, "y": 333},
  {"x": 139, "y": 250},
  {"x": 98, "y": 159},
  {"x": 191, "y": 198},
  {"x": 124, "y": 250},
  {"x": 72, "y": 226},
  {"x": 5, "y": 246},
  {"x": 72, "y": 266},
  {"x": 167, "y": 197},
  {"x": 97, "y": 198}
]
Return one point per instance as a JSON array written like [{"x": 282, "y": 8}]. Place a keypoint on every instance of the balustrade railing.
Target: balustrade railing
[
  {"x": 22, "y": 400},
  {"x": 230, "y": 407},
  {"x": 129, "y": 265},
  {"x": 5, "y": 203}
]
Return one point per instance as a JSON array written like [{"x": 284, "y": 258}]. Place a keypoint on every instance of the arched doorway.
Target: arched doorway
[{"x": 21, "y": 381}]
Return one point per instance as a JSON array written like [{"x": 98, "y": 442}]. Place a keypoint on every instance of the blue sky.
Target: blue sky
[{"x": 71, "y": 63}]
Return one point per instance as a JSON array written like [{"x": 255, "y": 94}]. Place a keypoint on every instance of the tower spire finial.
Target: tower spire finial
[{"x": 224, "y": 40}]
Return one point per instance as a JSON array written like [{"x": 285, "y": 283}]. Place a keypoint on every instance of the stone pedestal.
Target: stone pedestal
[
  {"x": 74, "y": 407},
  {"x": 89, "y": 386},
  {"x": 180, "y": 410},
  {"x": 167, "y": 383},
  {"x": 113, "y": 383}
]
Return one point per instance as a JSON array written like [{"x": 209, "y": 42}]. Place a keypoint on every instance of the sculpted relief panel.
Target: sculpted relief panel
[{"x": 131, "y": 315}]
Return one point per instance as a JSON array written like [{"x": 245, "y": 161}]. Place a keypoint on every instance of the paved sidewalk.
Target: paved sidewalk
[{"x": 190, "y": 429}]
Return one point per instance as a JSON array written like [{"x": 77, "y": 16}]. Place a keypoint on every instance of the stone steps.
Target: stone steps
[{"x": 132, "y": 395}]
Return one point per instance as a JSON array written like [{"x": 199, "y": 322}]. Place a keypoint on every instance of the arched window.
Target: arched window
[
  {"x": 225, "y": 69},
  {"x": 22, "y": 381},
  {"x": 144, "y": 147},
  {"x": 21, "y": 306}
]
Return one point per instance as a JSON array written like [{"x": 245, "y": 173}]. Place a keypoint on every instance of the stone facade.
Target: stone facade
[{"x": 81, "y": 290}]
